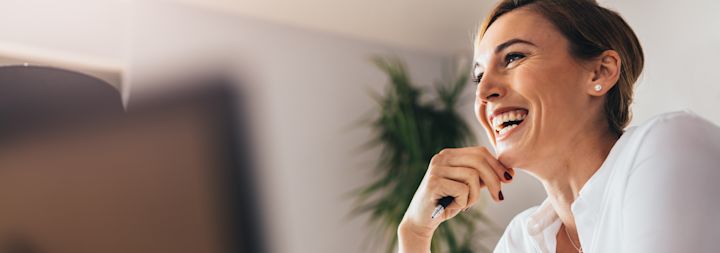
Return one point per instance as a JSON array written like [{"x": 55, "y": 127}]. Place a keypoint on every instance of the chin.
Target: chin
[
  {"x": 509, "y": 129},
  {"x": 516, "y": 154},
  {"x": 509, "y": 157}
]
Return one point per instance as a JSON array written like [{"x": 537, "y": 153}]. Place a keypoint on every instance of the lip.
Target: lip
[
  {"x": 502, "y": 110},
  {"x": 507, "y": 134}
]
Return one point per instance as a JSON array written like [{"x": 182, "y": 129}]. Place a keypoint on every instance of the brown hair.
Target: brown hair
[{"x": 590, "y": 30}]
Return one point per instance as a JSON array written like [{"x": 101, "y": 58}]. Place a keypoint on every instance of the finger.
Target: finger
[
  {"x": 507, "y": 174},
  {"x": 492, "y": 181},
  {"x": 487, "y": 176},
  {"x": 487, "y": 173},
  {"x": 465, "y": 175},
  {"x": 441, "y": 187},
  {"x": 473, "y": 156},
  {"x": 504, "y": 174}
]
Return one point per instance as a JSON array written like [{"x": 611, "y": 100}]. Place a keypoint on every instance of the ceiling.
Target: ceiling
[{"x": 435, "y": 26}]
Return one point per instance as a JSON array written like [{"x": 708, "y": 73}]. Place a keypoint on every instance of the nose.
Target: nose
[{"x": 490, "y": 88}]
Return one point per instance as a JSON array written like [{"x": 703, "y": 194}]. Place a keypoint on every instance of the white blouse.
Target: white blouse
[{"x": 658, "y": 191}]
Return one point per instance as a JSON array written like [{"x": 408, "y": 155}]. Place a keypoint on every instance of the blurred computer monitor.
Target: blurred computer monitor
[{"x": 171, "y": 175}]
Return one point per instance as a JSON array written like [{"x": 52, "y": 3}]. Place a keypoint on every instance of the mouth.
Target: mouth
[{"x": 506, "y": 122}]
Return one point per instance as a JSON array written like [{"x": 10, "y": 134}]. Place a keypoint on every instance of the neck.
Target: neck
[{"x": 564, "y": 177}]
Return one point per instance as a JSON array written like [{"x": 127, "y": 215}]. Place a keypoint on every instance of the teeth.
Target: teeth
[
  {"x": 508, "y": 128},
  {"x": 498, "y": 121}
]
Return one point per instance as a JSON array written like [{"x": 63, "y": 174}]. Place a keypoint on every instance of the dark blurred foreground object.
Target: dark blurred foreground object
[
  {"x": 173, "y": 174},
  {"x": 33, "y": 96}
]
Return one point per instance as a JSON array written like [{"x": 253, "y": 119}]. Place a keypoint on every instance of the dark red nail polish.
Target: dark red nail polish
[
  {"x": 501, "y": 196},
  {"x": 507, "y": 176}
]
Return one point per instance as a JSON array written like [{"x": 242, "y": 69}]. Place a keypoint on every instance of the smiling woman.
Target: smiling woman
[{"x": 554, "y": 87}]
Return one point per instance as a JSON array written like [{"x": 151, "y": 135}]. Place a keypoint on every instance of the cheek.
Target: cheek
[
  {"x": 480, "y": 114},
  {"x": 554, "y": 101},
  {"x": 530, "y": 81},
  {"x": 555, "y": 80},
  {"x": 546, "y": 92}
]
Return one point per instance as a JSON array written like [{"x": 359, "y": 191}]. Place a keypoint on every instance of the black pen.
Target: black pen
[{"x": 442, "y": 204}]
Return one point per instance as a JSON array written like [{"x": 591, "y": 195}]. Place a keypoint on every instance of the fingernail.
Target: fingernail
[
  {"x": 500, "y": 195},
  {"x": 507, "y": 176}
]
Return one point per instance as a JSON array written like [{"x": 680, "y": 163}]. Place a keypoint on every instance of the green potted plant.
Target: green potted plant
[{"x": 409, "y": 132}]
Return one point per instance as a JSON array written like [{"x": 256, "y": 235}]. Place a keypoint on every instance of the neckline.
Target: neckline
[{"x": 544, "y": 223}]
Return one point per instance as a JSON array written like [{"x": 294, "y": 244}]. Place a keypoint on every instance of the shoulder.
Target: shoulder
[
  {"x": 676, "y": 135},
  {"x": 672, "y": 156},
  {"x": 675, "y": 168},
  {"x": 678, "y": 125}
]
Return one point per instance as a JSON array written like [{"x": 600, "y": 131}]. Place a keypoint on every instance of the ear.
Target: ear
[{"x": 606, "y": 72}]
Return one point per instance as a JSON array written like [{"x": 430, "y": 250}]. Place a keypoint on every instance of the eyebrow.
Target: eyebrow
[
  {"x": 511, "y": 42},
  {"x": 508, "y": 43}
]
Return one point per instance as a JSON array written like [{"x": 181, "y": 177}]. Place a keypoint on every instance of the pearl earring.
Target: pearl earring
[{"x": 598, "y": 87}]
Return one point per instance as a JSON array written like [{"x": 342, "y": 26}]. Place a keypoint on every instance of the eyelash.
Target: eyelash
[{"x": 509, "y": 58}]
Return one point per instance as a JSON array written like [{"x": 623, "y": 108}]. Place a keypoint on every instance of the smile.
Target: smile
[{"x": 507, "y": 121}]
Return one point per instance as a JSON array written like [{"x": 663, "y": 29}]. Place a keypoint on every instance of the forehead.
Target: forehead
[{"x": 522, "y": 24}]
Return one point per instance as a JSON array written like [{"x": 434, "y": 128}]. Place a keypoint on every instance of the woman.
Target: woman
[{"x": 554, "y": 86}]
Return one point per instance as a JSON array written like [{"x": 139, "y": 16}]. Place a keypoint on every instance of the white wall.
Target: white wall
[{"x": 682, "y": 44}]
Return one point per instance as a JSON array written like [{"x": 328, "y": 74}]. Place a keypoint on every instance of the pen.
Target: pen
[{"x": 442, "y": 204}]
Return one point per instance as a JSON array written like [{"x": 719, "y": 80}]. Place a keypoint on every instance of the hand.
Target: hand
[{"x": 460, "y": 173}]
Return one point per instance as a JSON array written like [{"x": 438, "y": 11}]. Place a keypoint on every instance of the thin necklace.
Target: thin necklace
[{"x": 579, "y": 250}]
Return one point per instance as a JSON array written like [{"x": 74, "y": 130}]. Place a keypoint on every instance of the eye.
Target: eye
[
  {"x": 477, "y": 74},
  {"x": 512, "y": 57},
  {"x": 476, "y": 79}
]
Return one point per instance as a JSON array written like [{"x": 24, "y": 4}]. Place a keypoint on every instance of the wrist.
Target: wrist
[{"x": 412, "y": 239}]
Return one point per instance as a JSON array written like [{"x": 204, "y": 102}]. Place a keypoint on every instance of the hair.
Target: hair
[{"x": 590, "y": 30}]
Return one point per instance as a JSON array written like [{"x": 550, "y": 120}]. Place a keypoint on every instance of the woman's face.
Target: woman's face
[{"x": 532, "y": 98}]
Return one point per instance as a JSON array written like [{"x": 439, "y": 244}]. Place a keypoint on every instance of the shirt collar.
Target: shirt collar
[
  {"x": 541, "y": 218},
  {"x": 588, "y": 209},
  {"x": 543, "y": 223},
  {"x": 585, "y": 204}
]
